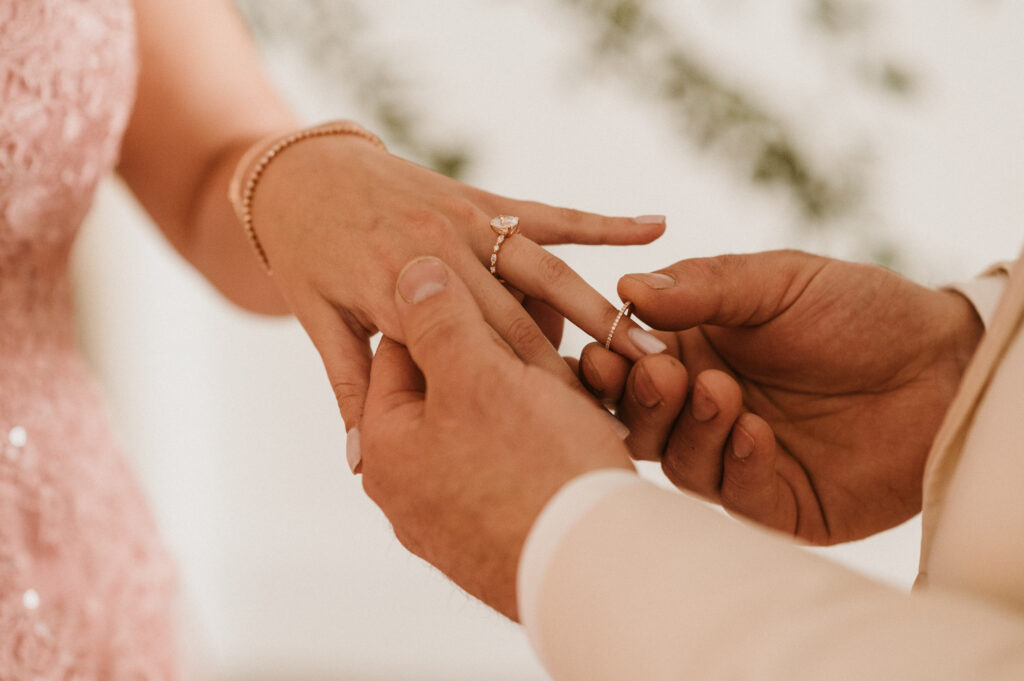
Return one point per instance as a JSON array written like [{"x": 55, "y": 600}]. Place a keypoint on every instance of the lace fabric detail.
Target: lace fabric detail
[
  {"x": 67, "y": 74},
  {"x": 86, "y": 587}
]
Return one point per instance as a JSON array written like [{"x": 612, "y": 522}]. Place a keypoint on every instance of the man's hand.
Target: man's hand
[
  {"x": 816, "y": 387},
  {"x": 463, "y": 444}
]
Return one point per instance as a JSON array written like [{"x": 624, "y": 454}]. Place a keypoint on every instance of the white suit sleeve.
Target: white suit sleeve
[{"x": 620, "y": 579}]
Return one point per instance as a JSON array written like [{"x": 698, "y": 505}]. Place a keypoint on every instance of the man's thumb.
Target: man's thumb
[
  {"x": 443, "y": 326},
  {"x": 727, "y": 290}
]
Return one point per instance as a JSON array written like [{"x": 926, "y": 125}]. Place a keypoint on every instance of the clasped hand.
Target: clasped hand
[{"x": 811, "y": 392}]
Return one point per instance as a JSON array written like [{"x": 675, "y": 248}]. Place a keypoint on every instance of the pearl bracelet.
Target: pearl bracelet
[{"x": 247, "y": 173}]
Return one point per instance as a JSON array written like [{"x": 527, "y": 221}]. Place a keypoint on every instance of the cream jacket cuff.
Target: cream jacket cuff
[
  {"x": 985, "y": 290},
  {"x": 622, "y": 580}
]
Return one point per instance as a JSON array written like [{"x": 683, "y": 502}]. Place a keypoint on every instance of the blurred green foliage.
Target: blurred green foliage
[
  {"x": 626, "y": 38},
  {"x": 332, "y": 37}
]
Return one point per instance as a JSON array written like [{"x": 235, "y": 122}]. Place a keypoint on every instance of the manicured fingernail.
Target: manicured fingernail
[
  {"x": 421, "y": 279},
  {"x": 643, "y": 388},
  {"x": 701, "y": 405},
  {"x": 647, "y": 343},
  {"x": 619, "y": 426},
  {"x": 352, "y": 450},
  {"x": 650, "y": 220},
  {"x": 742, "y": 443},
  {"x": 655, "y": 281}
]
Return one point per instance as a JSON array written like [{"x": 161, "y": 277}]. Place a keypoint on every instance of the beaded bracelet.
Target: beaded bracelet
[{"x": 245, "y": 180}]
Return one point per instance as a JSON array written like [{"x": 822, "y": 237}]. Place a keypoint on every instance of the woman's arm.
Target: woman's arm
[
  {"x": 203, "y": 99},
  {"x": 336, "y": 216}
]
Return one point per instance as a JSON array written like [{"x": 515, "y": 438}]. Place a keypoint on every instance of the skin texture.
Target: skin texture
[
  {"x": 337, "y": 217},
  {"x": 815, "y": 387},
  {"x": 463, "y": 443}
]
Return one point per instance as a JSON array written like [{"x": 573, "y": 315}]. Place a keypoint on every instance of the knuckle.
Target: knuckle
[
  {"x": 570, "y": 217},
  {"x": 431, "y": 225},
  {"x": 683, "y": 474},
  {"x": 792, "y": 253},
  {"x": 433, "y": 333},
  {"x": 349, "y": 395},
  {"x": 673, "y": 469},
  {"x": 739, "y": 496},
  {"x": 735, "y": 493},
  {"x": 553, "y": 271},
  {"x": 526, "y": 339},
  {"x": 461, "y": 211},
  {"x": 713, "y": 268}
]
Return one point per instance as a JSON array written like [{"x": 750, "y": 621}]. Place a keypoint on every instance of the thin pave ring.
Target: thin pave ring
[
  {"x": 505, "y": 226},
  {"x": 626, "y": 311}
]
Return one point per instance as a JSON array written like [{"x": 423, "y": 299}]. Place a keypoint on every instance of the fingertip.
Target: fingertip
[
  {"x": 650, "y": 227},
  {"x": 751, "y": 444},
  {"x": 422, "y": 278},
  {"x": 714, "y": 392},
  {"x": 667, "y": 376},
  {"x": 634, "y": 231},
  {"x": 751, "y": 485},
  {"x": 603, "y": 372},
  {"x": 642, "y": 289},
  {"x": 759, "y": 431},
  {"x": 353, "y": 451},
  {"x": 742, "y": 444}
]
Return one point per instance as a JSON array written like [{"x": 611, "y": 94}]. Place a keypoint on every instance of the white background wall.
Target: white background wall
[{"x": 288, "y": 570}]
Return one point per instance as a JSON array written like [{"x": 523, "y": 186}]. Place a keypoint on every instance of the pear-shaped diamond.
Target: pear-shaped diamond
[{"x": 505, "y": 224}]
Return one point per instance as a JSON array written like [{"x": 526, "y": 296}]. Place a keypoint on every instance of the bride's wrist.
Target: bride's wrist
[{"x": 306, "y": 147}]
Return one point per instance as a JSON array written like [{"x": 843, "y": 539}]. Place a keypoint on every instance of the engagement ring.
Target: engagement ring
[{"x": 504, "y": 226}]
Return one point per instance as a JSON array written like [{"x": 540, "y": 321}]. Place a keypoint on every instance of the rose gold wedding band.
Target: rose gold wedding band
[
  {"x": 505, "y": 226},
  {"x": 624, "y": 312}
]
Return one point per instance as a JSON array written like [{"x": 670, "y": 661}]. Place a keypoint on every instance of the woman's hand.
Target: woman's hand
[
  {"x": 463, "y": 444},
  {"x": 816, "y": 387},
  {"x": 338, "y": 218}
]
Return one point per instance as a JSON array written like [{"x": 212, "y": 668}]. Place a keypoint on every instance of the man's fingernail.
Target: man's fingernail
[
  {"x": 619, "y": 426},
  {"x": 655, "y": 281},
  {"x": 352, "y": 450},
  {"x": 421, "y": 279},
  {"x": 647, "y": 343},
  {"x": 742, "y": 443},
  {"x": 702, "y": 406},
  {"x": 650, "y": 220},
  {"x": 643, "y": 387}
]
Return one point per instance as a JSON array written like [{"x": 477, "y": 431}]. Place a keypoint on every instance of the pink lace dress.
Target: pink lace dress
[{"x": 86, "y": 588}]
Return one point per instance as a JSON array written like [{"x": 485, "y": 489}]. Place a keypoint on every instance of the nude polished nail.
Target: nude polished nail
[
  {"x": 646, "y": 342},
  {"x": 352, "y": 450},
  {"x": 654, "y": 280},
  {"x": 649, "y": 220}
]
